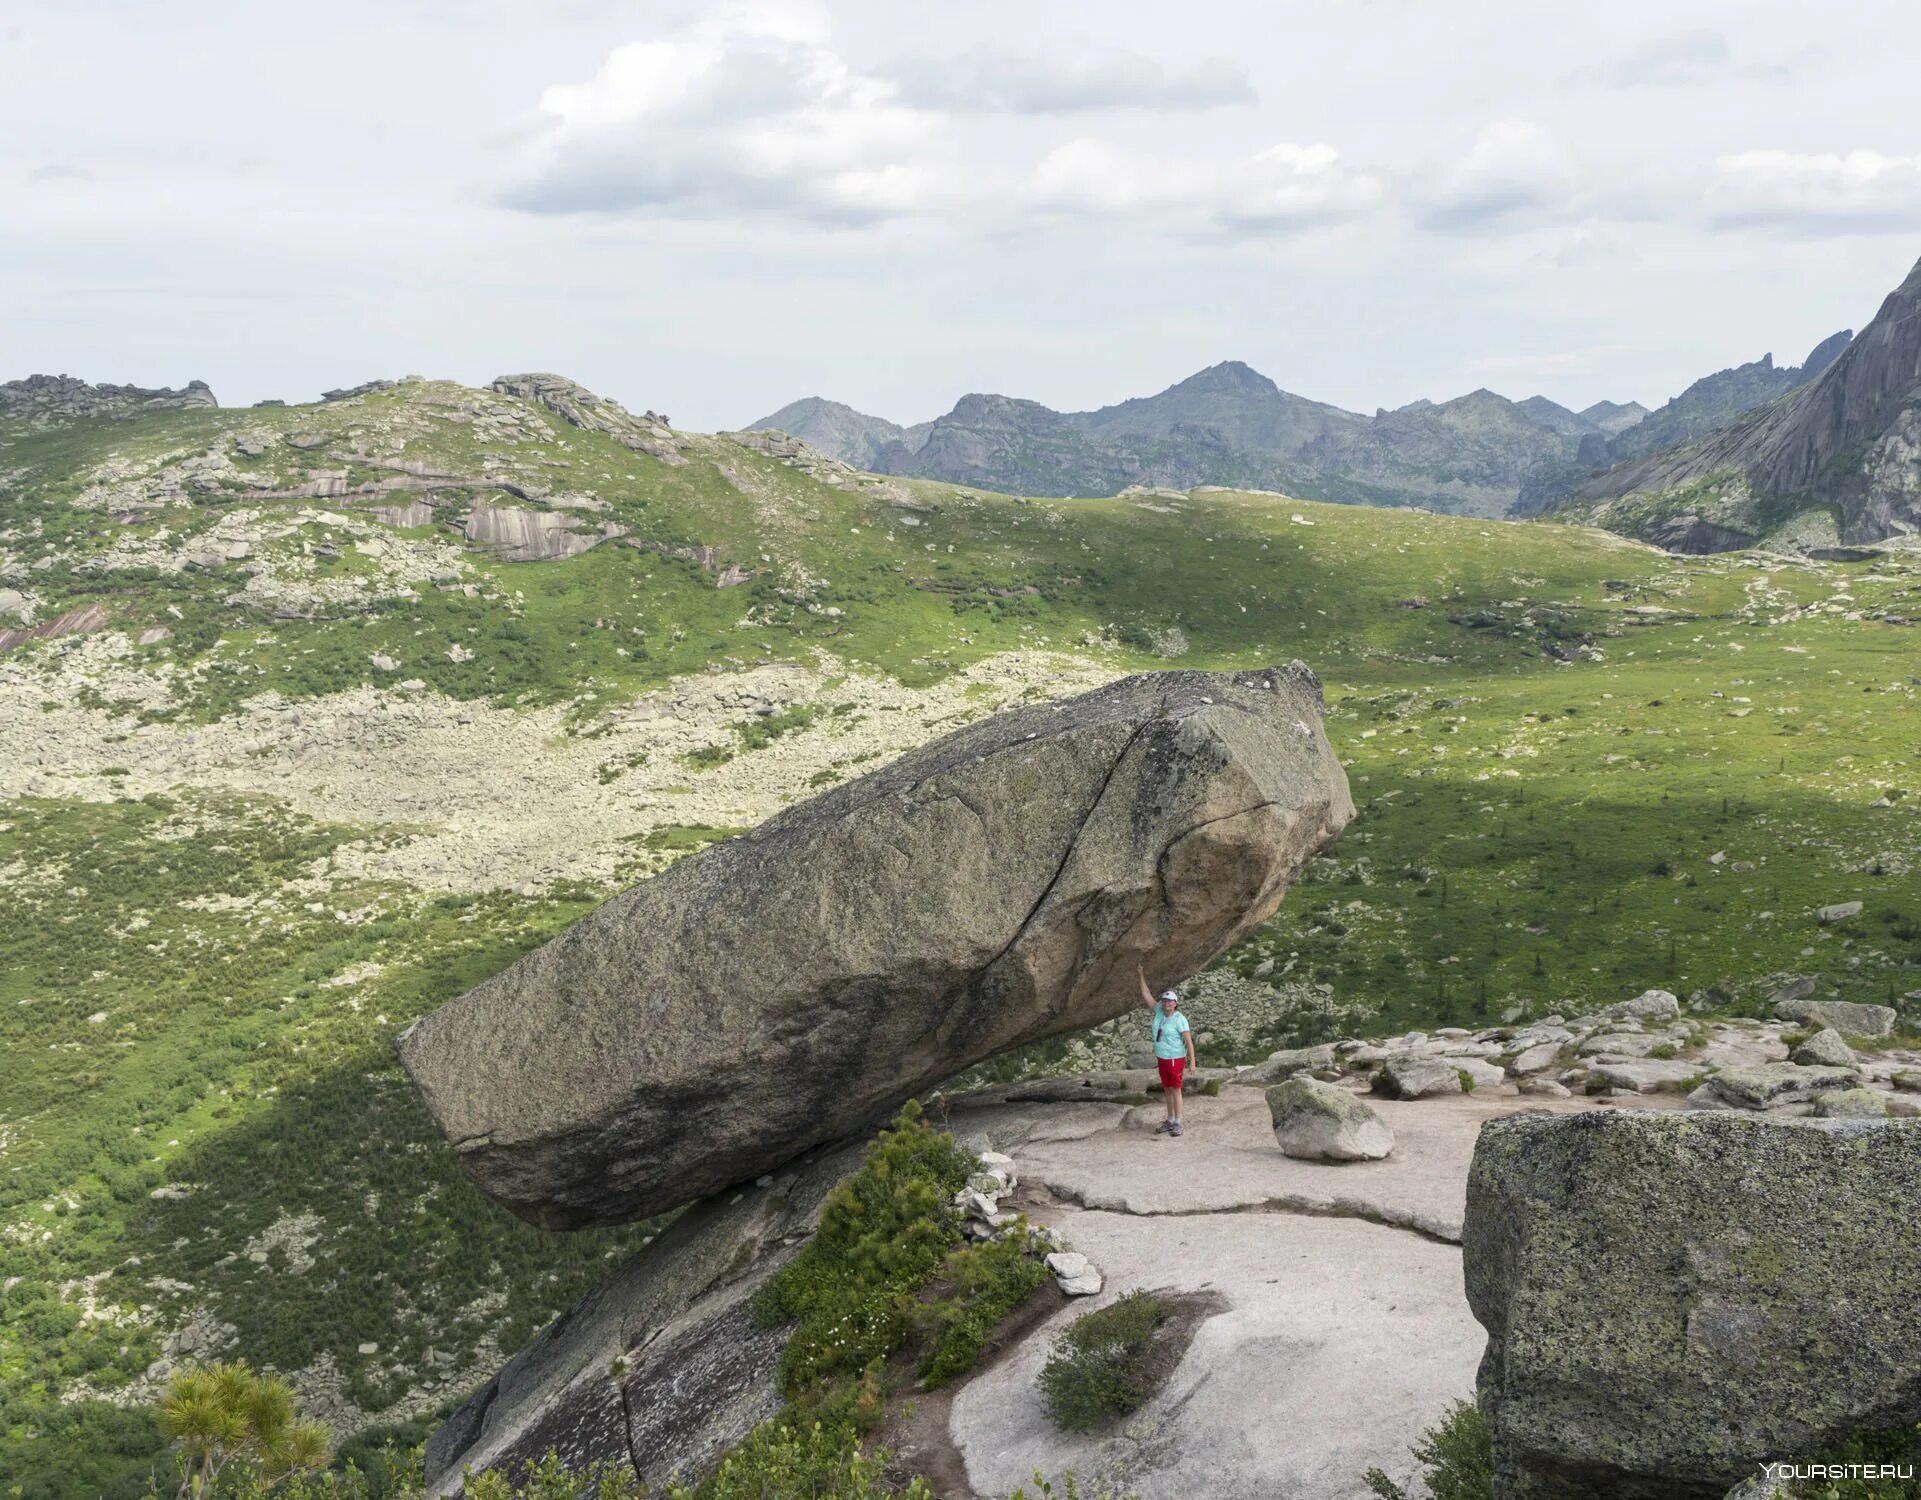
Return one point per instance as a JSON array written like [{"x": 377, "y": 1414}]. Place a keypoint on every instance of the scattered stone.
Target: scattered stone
[
  {"x": 1851, "y": 1104},
  {"x": 1280, "y": 1065},
  {"x": 1408, "y": 1077},
  {"x": 1839, "y": 912},
  {"x": 1622, "y": 1044},
  {"x": 1825, "y": 1049},
  {"x": 1764, "y": 1086},
  {"x": 1844, "y": 1016},
  {"x": 1316, "y": 1121},
  {"x": 1544, "y": 1088},
  {"x": 1536, "y": 1059},
  {"x": 1650, "y": 1076},
  {"x": 1073, "y": 1274},
  {"x": 1649, "y": 1005},
  {"x": 1649, "y": 1282},
  {"x": 1160, "y": 818},
  {"x": 997, "y": 1162},
  {"x": 1481, "y": 1073},
  {"x": 1908, "y": 1080}
]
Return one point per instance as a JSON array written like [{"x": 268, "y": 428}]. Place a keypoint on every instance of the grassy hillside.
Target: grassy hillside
[{"x": 370, "y": 763}]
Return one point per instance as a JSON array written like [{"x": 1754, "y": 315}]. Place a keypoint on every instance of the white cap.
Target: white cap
[{"x": 1171, "y": 995}]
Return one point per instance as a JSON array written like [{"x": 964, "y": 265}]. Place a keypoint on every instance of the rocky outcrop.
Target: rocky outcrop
[
  {"x": 778, "y": 991},
  {"x": 660, "y": 1365},
  {"x": 1670, "y": 1300},
  {"x": 579, "y": 407},
  {"x": 44, "y": 400},
  {"x": 1849, "y": 440},
  {"x": 517, "y": 534}
]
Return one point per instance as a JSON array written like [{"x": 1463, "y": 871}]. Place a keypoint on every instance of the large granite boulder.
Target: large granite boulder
[
  {"x": 1672, "y": 1299},
  {"x": 790, "y": 986}
]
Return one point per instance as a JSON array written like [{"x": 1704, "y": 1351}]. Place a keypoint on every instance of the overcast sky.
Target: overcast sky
[{"x": 711, "y": 210}]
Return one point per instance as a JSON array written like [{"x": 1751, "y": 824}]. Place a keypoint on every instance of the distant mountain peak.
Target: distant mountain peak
[{"x": 1230, "y": 376}]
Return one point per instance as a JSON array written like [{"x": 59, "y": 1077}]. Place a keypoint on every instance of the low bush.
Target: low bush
[
  {"x": 884, "y": 1233},
  {"x": 1456, "y": 1456},
  {"x": 780, "y": 1459},
  {"x": 1102, "y": 1366},
  {"x": 990, "y": 1281}
]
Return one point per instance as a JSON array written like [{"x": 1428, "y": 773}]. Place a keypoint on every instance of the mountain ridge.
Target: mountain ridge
[{"x": 1480, "y": 453}]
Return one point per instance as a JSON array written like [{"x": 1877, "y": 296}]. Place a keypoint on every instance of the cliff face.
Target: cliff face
[{"x": 1845, "y": 446}]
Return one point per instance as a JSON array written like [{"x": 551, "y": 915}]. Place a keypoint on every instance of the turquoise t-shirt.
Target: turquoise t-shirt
[{"x": 1168, "y": 1031}]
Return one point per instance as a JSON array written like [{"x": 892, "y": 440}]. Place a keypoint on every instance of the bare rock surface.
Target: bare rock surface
[
  {"x": 1340, "y": 1341},
  {"x": 814, "y": 968},
  {"x": 1226, "y": 1163}
]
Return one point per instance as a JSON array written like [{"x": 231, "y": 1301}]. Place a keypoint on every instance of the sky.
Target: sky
[{"x": 710, "y": 210}]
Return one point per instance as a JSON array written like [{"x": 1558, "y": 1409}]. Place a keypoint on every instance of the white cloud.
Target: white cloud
[
  {"x": 988, "y": 81},
  {"x": 747, "y": 113},
  {"x": 1284, "y": 187},
  {"x": 1515, "y": 173},
  {"x": 1815, "y": 192}
]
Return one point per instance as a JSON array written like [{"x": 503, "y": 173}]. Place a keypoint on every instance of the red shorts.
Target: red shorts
[{"x": 1171, "y": 1070}]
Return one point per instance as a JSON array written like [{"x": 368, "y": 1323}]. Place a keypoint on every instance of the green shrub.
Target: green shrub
[
  {"x": 1101, "y": 1367},
  {"x": 551, "y": 1480},
  {"x": 990, "y": 1281},
  {"x": 1456, "y": 1455},
  {"x": 779, "y": 1459},
  {"x": 884, "y": 1233},
  {"x": 1068, "y": 1488}
]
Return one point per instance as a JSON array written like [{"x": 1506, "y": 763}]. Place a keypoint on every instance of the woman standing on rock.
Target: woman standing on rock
[{"x": 1173, "y": 1048}]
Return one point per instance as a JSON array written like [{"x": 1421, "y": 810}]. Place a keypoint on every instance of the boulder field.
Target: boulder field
[{"x": 792, "y": 986}]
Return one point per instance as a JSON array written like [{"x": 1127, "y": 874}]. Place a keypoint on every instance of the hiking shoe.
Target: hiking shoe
[
  {"x": 1173, "y": 1127},
  {"x": 1164, "y": 1127}
]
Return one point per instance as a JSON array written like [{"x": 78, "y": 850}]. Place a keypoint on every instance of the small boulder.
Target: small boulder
[
  {"x": 1286, "y": 1064},
  {"x": 1767, "y": 1085},
  {"x": 1623, "y": 1044},
  {"x": 1908, "y": 1080},
  {"x": 1544, "y": 1088},
  {"x": 1536, "y": 1059},
  {"x": 1649, "y": 1005},
  {"x": 1839, "y": 912},
  {"x": 1825, "y": 1049},
  {"x": 1409, "y": 1077},
  {"x": 1316, "y": 1121},
  {"x": 1478, "y": 1072},
  {"x": 1074, "y": 1274},
  {"x": 1844, "y": 1016},
  {"x": 1851, "y": 1104},
  {"x": 999, "y": 1162},
  {"x": 1649, "y": 1076}
]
